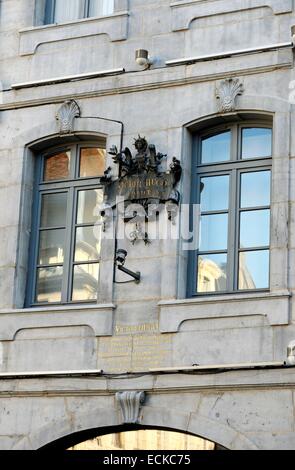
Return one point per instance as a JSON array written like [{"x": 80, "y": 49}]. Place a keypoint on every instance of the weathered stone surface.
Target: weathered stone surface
[{"x": 137, "y": 327}]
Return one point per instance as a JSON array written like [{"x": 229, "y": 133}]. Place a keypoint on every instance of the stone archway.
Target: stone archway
[
  {"x": 146, "y": 439},
  {"x": 62, "y": 434}
]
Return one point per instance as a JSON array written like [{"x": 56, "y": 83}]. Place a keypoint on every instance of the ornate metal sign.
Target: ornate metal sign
[{"x": 140, "y": 178}]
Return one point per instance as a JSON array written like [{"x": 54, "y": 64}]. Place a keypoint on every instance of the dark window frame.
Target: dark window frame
[
  {"x": 71, "y": 186},
  {"x": 233, "y": 167}
]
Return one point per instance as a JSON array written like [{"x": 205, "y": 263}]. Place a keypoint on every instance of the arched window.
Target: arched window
[
  {"x": 60, "y": 11},
  {"x": 232, "y": 185},
  {"x": 66, "y": 232}
]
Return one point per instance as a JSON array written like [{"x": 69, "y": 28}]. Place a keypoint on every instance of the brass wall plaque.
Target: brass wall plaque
[
  {"x": 135, "y": 352},
  {"x": 137, "y": 187}
]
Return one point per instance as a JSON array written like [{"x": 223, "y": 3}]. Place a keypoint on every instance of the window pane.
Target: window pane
[
  {"x": 212, "y": 273},
  {"x": 87, "y": 243},
  {"x": 51, "y": 247},
  {"x": 256, "y": 142},
  {"x": 255, "y": 189},
  {"x": 92, "y": 162},
  {"x": 57, "y": 167},
  {"x": 254, "y": 230},
  {"x": 254, "y": 270},
  {"x": 214, "y": 193},
  {"x": 216, "y": 148},
  {"x": 54, "y": 210},
  {"x": 85, "y": 283},
  {"x": 214, "y": 232},
  {"x": 87, "y": 202},
  {"x": 49, "y": 282},
  {"x": 101, "y": 7},
  {"x": 67, "y": 10}
]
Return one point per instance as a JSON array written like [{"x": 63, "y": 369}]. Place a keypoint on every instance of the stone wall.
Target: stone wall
[{"x": 152, "y": 324}]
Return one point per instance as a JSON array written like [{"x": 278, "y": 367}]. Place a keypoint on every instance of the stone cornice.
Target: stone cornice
[
  {"x": 279, "y": 378},
  {"x": 134, "y": 82}
]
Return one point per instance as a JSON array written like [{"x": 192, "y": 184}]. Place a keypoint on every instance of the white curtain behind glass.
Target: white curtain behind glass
[
  {"x": 67, "y": 10},
  {"x": 100, "y": 7}
]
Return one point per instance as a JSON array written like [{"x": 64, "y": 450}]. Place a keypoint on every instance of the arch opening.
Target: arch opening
[{"x": 132, "y": 437}]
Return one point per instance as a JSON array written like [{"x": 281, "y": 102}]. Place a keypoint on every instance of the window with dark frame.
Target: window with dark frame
[
  {"x": 232, "y": 184},
  {"x": 66, "y": 232},
  {"x": 60, "y": 11}
]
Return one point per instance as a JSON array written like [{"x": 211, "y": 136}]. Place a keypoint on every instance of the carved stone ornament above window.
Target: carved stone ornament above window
[
  {"x": 130, "y": 404},
  {"x": 226, "y": 94},
  {"x": 66, "y": 115}
]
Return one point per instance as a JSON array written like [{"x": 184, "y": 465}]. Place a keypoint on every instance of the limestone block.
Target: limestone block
[
  {"x": 184, "y": 12},
  {"x": 251, "y": 411},
  {"x": 115, "y": 26},
  {"x": 222, "y": 346},
  {"x": 52, "y": 349},
  {"x": 7, "y": 275}
]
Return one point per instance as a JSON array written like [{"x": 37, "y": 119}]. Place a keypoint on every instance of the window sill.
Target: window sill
[
  {"x": 99, "y": 317},
  {"x": 115, "y": 26},
  {"x": 272, "y": 305},
  {"x": 185, "y": 11}
]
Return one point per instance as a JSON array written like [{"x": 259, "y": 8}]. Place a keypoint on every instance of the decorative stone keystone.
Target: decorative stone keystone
[
  {"x": 227, "y": 93},
  {"x": 66, "y": 115},
  {"x": 130, "y": 403}
]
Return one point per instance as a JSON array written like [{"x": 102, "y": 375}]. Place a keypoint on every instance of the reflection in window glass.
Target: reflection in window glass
[
  {"x": 214, "y": 193},
  {"x": 255, "y": 189},
  {"x": 60, "y": 11},
  {"x": 92, "y": 162},
  {"x": 88, "y": 203},
  {"x": 212, "y": 273},
  {"x": 213, "y": 235},
  {"x": 57, "y": 167},
  {"x": 256, "y": 143},
  {"x": 254, "y": 270},
  {"x": 100, "y": 7},
  {"x": 49, "y": 282},
  {"x": 254, "y": 230},
  {"x": 85, "y": 283},
  {"x": 67, "y": 10},
  {"x": 51, "y": 247},
  {"x": 53, "y": 210},
  {"x": 87, "y": 243},
  {"x": 216, "y": 148}
]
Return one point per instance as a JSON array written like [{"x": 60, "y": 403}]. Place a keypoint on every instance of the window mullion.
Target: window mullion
[
  {"x": 86, "y": 9},
  {"x": 68, "y": 246},
  {"x": 231, "y": 258},
  {"x": 237, "y": 229}
]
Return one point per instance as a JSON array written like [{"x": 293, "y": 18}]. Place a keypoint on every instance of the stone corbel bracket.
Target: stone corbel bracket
[
  {"x": 185, "y": 11},
  {"x": 130, "y": 404}
]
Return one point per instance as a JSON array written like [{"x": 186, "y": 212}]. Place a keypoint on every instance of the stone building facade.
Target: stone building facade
[{"x": 158, "y": 353}]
